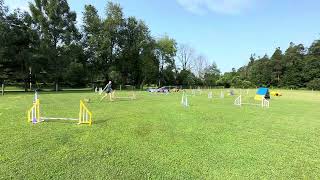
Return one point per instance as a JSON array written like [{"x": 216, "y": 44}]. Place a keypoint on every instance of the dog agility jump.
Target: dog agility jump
[
  {"x": 264, "y": 102},
  {"x": 113, "y": 96},
  {"x": 211, "y": 95},
  {"x": 112, "y": 93},
  {"x": 132, "y": 96},
  {"x": 34, "y": 115}
]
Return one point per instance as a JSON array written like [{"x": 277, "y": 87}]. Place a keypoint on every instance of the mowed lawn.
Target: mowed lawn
[{"x": 155, "y": 137}]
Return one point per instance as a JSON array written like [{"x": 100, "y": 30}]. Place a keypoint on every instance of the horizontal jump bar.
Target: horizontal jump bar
[
  {"x": 69, "y": 119},
  {"x": 251, "y": 104}
]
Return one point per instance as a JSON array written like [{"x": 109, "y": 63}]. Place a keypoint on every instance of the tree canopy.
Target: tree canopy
[{"x": 47, "y": 47}]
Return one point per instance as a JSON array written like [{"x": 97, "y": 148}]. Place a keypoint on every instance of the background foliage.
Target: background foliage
[{"x": 46, "y": 47}]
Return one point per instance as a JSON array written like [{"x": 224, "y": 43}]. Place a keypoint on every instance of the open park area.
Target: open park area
[
  {"x": 172, "y": 89},
  {"x": 154, "y": 136}
]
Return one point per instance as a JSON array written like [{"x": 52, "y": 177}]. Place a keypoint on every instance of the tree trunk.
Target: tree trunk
[
  {"x": 2, "y": 89},
  {"x": 26, "y": 85},
  {"x": 57, "y": 86},
  {"x": 142, "y": 84}
]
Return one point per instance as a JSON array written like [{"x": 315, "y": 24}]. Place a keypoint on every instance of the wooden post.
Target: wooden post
[
  {"x": 57, "y": 88},
  {"x": 120, "y": 87},
  {"x": 2, "y": 88}
]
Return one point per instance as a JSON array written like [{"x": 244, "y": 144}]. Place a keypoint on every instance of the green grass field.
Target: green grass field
[{"x": 154, "y": 137}]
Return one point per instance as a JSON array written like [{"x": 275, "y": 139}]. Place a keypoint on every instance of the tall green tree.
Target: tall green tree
[
  {"x": 56, "y": 25},
  {"x": 111, "y": 47},
  {"x": 135, "y": 40},
  {"x": 4, "y": 29},
  {"x": 311, "y": 69},
  {"x": 166, "y": 51},
  {"x": 92, "y": 40},
  {"x": 18, "y": 46},
  {"x": 260, "y": 72},
  {"x": 211, "y": 74},
  {"x": 277, "y": 66},
  {"x": 294, "y": 62}
]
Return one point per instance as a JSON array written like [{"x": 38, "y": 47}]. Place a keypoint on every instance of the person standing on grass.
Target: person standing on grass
[{"x": 108, "y": 90}]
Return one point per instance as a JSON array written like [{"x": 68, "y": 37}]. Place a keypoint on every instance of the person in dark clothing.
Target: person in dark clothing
[{"x": 108, "y": 90}]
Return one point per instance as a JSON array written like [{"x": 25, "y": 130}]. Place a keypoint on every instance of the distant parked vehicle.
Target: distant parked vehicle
[
  {"x": 164, "y": 90},
  {"x": 152, "y": 90}
]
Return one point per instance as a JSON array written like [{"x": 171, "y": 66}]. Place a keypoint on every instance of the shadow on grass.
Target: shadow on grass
[{"x": 101, "y": 121}]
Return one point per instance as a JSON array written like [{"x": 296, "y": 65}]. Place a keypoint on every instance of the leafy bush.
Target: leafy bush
[
  {"x": 246, "y": 84},
  {"x": 314, "y": 84},
  {"x": 75, "y": 76}
]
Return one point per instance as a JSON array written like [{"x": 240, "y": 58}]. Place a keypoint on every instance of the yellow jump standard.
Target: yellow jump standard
[{"x": 33, "y": 114}]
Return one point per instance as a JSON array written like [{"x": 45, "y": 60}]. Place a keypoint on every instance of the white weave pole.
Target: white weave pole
[
  {"x": 2, "y": 89},
  {"x": 184, "y": 100},
  {"x": 35, "y": 96},
  {"x": 221, "y": 95}
]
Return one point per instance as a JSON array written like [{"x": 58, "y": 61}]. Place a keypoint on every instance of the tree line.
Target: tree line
[
  {"x": 47, "y": 47},
  {"x": 297, "y": 67}
]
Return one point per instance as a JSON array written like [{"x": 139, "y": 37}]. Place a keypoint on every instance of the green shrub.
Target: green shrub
[{"x": 314, "y": 84}]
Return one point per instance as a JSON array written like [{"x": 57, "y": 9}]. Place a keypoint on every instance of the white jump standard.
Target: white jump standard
[
  {"x": 264, "y": 103},
  {"x": 221, "y": 94},
  {"x": 184, "y": 100}
]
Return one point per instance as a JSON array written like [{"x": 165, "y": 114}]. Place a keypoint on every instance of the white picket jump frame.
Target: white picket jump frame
[
  {"x": 199, "y": 91},
  {"x": 132, "y": 97},
  {"x": 238, "y": 101},
  {"x": 100, "y": 91},
  {"x": 211, "y": 95},
  {"x": 264, "y": 102},
  {"x": 221, "y": 94},
  {"x": 184, "y": 100}
]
